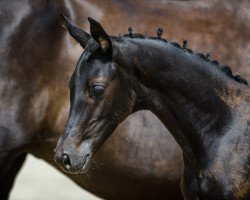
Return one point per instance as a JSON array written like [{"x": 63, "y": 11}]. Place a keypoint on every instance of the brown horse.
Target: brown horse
[
  {"x": 36, "y": 62},
  {"x": 204, "y": 105}
]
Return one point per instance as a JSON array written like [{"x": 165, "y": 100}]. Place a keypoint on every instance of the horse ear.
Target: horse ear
[
  {"x": 77, "y": 33},
  {"x": 98, "y": 33}
]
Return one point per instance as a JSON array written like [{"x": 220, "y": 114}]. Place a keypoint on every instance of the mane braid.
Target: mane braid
[{"x": 224, "y": 68}]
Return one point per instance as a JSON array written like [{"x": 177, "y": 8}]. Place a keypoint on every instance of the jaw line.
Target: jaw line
[{"x": 87, "y": 163}]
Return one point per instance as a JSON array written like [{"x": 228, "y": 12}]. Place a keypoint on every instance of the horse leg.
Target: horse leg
[
  {"x": 11, "y": 158},
  {"x": 7, "y": 179}
]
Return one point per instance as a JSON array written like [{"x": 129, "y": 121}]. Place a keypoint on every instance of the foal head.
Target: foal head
[
  {"x": 101, "y": 96},
  {"x": 116, "y": 76}
]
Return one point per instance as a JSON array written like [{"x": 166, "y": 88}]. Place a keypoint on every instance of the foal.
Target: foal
[{"x": 205, "y": 107}]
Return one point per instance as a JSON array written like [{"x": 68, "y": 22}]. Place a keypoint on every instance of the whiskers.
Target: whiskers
[
  {"x": 92, "y": 173},
  {"x": 94, "y": 169},
  {"x": 94, "y": 166}
]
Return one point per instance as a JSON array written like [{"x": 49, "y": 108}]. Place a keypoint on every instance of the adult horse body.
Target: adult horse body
[
  {"x": 34, "y": 102},
  {"x": 205, "y": 106}
]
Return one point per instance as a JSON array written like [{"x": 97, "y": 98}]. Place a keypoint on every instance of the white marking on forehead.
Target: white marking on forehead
[
  {"x": 40, "y": 105},
  {"x": 21, "y": 9}
]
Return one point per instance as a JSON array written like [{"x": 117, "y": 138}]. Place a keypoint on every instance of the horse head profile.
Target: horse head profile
[
  {"x": 100, "y": 98},
  {"x": 194, "y": 96}
]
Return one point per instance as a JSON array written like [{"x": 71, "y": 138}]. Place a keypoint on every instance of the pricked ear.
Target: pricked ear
[
  {"x": 98, "y": 33},
  {"x": 77, "y": 33}
]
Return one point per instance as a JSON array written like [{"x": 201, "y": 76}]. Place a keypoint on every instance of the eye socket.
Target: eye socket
[{"x": 97, "y": 89}]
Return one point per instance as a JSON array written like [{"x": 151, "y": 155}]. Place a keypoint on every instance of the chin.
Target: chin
[{"x": 80, "y": 169}]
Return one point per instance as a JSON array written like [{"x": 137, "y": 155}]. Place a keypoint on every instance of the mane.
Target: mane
[{"x": 224, "y": 68}]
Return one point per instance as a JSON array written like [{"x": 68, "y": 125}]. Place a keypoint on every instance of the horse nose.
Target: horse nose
[{"x": 66, "y": 161}]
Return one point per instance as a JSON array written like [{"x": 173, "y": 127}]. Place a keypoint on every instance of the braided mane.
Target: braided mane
[{"x": 224, "y": 68}]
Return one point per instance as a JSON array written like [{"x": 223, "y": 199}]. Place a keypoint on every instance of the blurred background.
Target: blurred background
[
  {"x": 38, "y": 180},
  {"x": 41, "y": 57}
]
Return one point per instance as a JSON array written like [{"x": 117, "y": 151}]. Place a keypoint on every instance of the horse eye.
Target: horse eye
[{"x": 98, "y": 89}]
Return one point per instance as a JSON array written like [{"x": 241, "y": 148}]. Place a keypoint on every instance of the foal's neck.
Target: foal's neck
[{"x": 186, "y": 92}]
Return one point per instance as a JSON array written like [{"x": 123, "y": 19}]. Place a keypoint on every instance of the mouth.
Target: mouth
[
  {"x": 79, "y": 159},
  {"x": 80, "y": 168}
]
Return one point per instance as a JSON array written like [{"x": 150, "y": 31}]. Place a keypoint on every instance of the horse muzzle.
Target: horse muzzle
[{"x": 73, "y": 159}]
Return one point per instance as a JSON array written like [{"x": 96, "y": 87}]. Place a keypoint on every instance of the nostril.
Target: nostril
[{"x": 66, "y": 161}]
